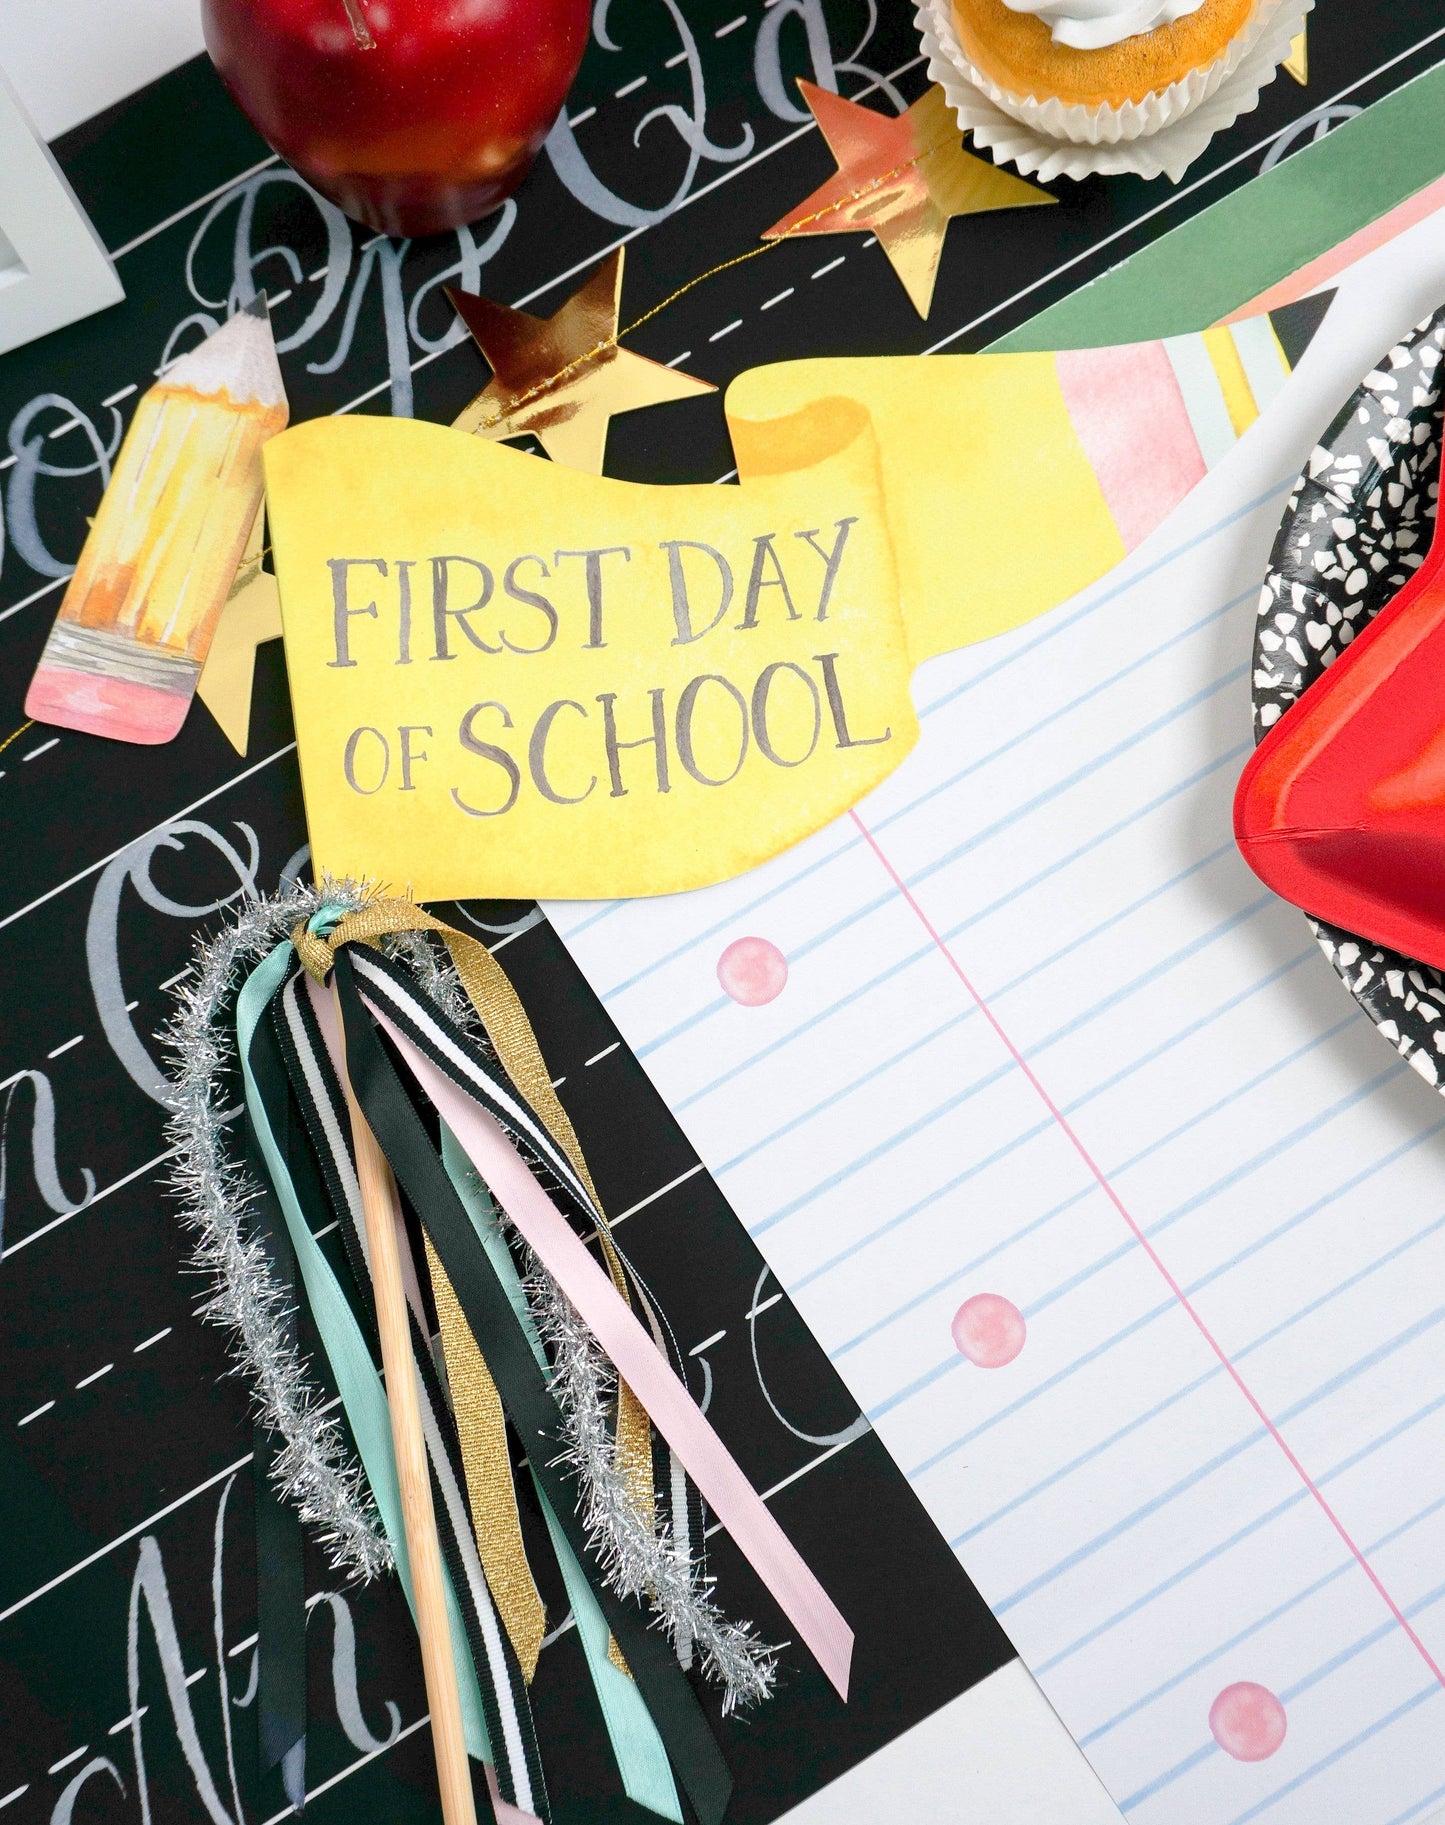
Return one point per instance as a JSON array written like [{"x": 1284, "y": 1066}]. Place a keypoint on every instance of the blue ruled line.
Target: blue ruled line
[
  {"x": 1053, "y": 625},
  {"x": 1340, "y": 1570},
  {"x": 1106, "y": 1536},
  {"x": 1184, "y": 1572}
]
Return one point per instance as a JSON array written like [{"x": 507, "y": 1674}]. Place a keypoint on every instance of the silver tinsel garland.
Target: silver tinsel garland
[
  {"x": 635, "y": 1560},
  {"x": 316, "y": 1469}
]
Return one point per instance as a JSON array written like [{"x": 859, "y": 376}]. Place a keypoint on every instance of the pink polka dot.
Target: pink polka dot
[
  {"x": 1248, "y": 1721},
  {"x": 752, "y": 971},
  {"x": 989, "y": 1330}
]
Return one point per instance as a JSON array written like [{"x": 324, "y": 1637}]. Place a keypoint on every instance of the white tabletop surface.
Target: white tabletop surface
[{"x": 998, "y": 1753}]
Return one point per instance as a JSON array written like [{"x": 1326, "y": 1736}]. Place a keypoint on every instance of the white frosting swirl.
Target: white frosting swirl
[{"x": 1090, "y": 25}]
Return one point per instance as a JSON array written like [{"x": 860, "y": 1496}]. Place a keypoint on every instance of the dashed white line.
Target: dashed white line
[
  {"x": 577, "y": 120},
  {"x": 66, "y": 1047},
  {"x": 44, "y": 748},
  {"x": 597, "y": 1057},
  {"x": 320, "y": 273},
  {"x": 14, "y": 1794},
  {"x": 35, "y": 1413},
  {"x": 726, "y": 330},
  {"x": 191, "y": 1678},
  {"x": 116, "y": 398},
  {"x": 778, "y": 299},
  {"x": 66, "y": 1760},
  {"x": 651, "y": 1198},
  {"x": 673, "y": 62},
  {"x": 730, "y": 175},
  {"x": 767, "y": 1306},
  {"x": 275, "y": 298},
  {"x": 125, "y": 1723},
  {"x": 731, "y": 26},
  {"x": 146, "y": 1343},
  {"x": 629, "y": 88},
  {"x": 557, "y": 1082},
  {"x": 832, "y": 266},
  {"x": 86, "y": 1380},
  {"x": 724, "y": 478},
  {"x": 9, "y": 463},
  {"x": 171, "y": 981},
  {"x": 872, "y": 241},
  {"x": 241, "y": 1646},
  {"x": 707, "y": 1343},
  {"x": 71, "y": 424},
  {"x": 677, "y": 360}
]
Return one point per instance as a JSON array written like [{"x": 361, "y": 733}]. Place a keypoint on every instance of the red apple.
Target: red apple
[{"x": 411, "y": 115}]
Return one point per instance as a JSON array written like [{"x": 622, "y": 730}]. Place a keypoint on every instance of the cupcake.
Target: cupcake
[{"x": 1097, "y": 71}]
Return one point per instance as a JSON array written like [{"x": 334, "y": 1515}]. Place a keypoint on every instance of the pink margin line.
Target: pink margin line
[{"x": 1138, "y": 1234}]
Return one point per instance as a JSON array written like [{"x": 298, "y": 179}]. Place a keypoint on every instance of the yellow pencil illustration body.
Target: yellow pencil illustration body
[{"x": 133, "y": 631}]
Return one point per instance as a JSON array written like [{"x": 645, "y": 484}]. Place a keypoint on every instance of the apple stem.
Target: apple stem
[{"x": 361, "y": 31}]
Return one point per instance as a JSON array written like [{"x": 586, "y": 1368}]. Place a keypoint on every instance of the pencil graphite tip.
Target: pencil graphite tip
[{"x": 239, "y": 358}]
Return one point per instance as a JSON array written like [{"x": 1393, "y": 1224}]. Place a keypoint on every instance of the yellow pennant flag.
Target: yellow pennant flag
[{"x": 512, "y": 679}]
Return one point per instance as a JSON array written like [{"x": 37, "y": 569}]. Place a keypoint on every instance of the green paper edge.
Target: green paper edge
[{"x": 1261, "y": 233}]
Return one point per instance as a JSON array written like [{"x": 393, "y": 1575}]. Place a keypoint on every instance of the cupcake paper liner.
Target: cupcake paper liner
[{"x": 1161, "y": 135}]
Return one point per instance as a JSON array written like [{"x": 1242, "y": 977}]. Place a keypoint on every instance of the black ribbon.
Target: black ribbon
[
  {"x": 525, "y": 1394},
  {"x": 280, "y": 1564},
  {"x": 269, "y": 1071}
]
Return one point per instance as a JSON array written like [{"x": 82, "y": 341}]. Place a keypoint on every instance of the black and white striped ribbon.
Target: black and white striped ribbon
[
  {"x": 390, "y": 990},
  {"x": 505, "y": 1703}
]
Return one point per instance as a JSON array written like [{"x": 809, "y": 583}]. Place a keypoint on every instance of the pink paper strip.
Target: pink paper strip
[
  {"x": 1128, "y": 413},
  {"x": 507, "y": 1814},
  {"x": 1330, "y": 264},
  {"x": 641, "y": 1365}
]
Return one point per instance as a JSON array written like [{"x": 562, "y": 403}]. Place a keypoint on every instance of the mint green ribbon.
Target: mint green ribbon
[
  {"x": 357, "y": 1381},
  {"x": 636, "y": 1746}
]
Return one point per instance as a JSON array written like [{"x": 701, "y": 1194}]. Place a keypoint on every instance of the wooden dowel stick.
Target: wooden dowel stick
[{"x": 382, "y": 1212}]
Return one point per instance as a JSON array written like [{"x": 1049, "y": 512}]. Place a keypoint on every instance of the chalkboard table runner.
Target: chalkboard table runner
[{"x": 127, "y": 1582}]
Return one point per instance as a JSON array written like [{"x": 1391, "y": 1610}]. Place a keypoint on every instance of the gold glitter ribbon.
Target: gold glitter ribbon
[
  {"x": 501, "y": 1012},
  {"x": 491, "y": 1493}
]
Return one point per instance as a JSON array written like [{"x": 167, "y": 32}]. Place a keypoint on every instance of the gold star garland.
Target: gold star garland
[
  {"x": 563, "y": 378},
  {"x": 900, "y": 178}
]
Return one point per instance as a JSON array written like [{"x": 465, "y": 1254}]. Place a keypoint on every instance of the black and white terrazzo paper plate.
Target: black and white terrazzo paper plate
[{"x": 1358, "y": 525}]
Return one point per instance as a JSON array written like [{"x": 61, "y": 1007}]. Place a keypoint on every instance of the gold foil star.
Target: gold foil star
[
  {"x": 251, "y": 616},
  {"x": 903, "y": 178},
  {"x": 563, "y": 377}
]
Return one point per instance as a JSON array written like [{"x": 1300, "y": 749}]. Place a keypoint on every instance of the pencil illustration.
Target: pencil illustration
[{"x": 134, "y": 628}]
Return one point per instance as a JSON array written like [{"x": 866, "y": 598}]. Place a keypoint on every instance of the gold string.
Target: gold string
[
  {"x": 15, "y": 734},
  {"x": 608, "y": 343}
]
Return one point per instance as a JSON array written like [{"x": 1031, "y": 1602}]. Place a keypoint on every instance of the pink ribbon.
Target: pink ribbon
[{"x": 641, "y": 1365}]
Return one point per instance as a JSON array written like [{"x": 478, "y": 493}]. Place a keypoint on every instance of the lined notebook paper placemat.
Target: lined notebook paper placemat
[{"x": 1119, "y": 1222}]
